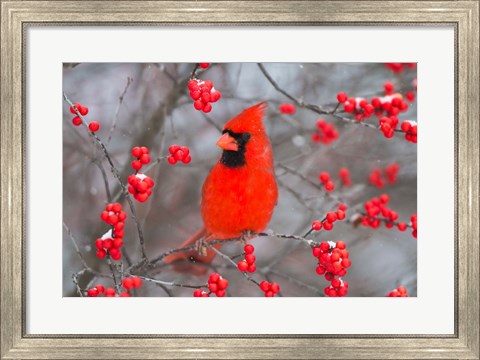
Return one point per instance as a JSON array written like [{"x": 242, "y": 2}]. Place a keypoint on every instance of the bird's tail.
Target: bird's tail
[{"x": 186, "y": 259}]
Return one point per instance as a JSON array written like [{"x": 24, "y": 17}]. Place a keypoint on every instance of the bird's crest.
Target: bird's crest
[{"x": 249, "y": 120}]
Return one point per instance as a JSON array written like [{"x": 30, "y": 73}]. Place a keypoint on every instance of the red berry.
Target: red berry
[
  {"x": 145, "y": 159},
  {"x": 402, "y": 226},
  {"x": 101, "y": 253},
  {"x": 214, "y": 277},
  {"x": 94, "y": 126},
  {"x": 83, "y": 110},
  {"x": 327, "y": 225},
  {"x": 213, "y": 287},
  {"x": 198, "y": 105},
  {"x": 99, "y": 244},
  {"x": 346, "y": 263},
  {"x": 117, "y": 243},
  {"x": 136, "y": 164},
  {"x": 193, "y": 84},
  {"x": 171, "y": 160},
  {"x": 242, "y": 266},
  {"x": 137, "y": 282},
  {"x": 220, "y": 293},
  {"x": 100, "y": 289},
  {"x": 109, "y": 292},
  {"x": 127, "y": 283},
  {"x": 275, "y": 288},
  {"x": 107, "y": 243},
  {"x": 388, "y": 86},
  {"x": 207, "y": 108},
  {"x": 329, "y": 186},
  {"x": 340, "y": 245},
  {"x": 252, "y": 268},
  {"x": 203, "y": 65},
  {"x": 331, "y": 217},
  {"x": 265, "y": 286},
  {"x": 76, "y": 121},
  {"x": 116, "y": 255},
  {"x": 317, "y": 225},
  {"x": 124, "y": 294},
  {"x": 340, "y": 215},
  {"x": 250, "y": 259},
  {"x": 93, "y": 292},
  {"x": 222, "y": 284},
  {"x": 136, "y": 152},
  {"x": 324, "y": 177},
  {"x": 249, "y": 249},
  {"x": 342, "y": 97}
]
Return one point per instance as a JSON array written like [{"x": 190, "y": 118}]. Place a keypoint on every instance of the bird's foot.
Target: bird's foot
[{"x": 201, "y": 247}]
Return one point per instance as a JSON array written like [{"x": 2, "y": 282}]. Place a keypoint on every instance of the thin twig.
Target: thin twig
[
  {"x": 75, "y": 245},
  {"x": 105, "y": 179},
  {"x": 170, "y": 283},
  {"x": 117, "y": 110}
]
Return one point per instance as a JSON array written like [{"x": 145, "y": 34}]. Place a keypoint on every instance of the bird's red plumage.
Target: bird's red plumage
[{"x": 238, "y": 199}]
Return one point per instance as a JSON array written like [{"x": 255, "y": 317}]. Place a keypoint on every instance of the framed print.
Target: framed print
[{"x": 285, "y": 167}]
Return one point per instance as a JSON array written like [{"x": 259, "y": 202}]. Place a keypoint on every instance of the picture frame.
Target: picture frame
[{"x": 17, "y": 15}]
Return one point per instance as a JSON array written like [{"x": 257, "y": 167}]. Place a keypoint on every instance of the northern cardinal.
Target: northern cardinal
[{"x": 240, "y": 192}]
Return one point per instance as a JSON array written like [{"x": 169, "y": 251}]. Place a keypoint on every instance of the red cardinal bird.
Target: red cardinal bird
[{"x": 240, "y": 192}]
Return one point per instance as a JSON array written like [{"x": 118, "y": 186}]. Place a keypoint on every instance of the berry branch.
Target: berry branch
[
  {"x": 321, "y": 111},
  {"x": 115, "y": 174}
]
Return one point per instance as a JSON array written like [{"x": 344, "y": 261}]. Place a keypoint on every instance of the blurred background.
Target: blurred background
[{"x": 149, "y": 105}]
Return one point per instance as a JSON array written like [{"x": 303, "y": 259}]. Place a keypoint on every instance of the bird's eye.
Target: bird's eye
[{"x": 246, "y": 137}]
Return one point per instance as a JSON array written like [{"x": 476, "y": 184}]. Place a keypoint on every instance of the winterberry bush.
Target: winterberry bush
[{"x": 139, "y": 141}]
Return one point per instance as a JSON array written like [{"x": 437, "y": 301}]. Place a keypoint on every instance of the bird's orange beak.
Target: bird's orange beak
[{"x": 226, "y": 142}]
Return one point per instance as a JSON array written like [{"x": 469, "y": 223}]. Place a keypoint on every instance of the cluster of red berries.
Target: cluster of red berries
[
  {"x": 140, "y": 186},
  {"x": 330, "y": 218},
  {"x": 204, "y": 65},
  {"x": 390, "y": 105},
  {"x": 111, "y": 242},
  {"x": 179, "y": 153},
  {"x": 325, "y": 133},
  {"x": 288, "y": 109},
  {"x": 203, "y": 93},
  {"x": 378, "y": 212},
  {"x": 270, "y": 289},
  {"x": 376, "y": 176},
  {"x": 413, "y": 224},
  {"x": 77, "y": 121},
  {"x": 328, "y": 185},
  {"x": 216, "y": 285},
  {"x": 410, "y": 129},
  {"x": 401, "y": 291},
  {"x": 98, "y": 290},
  {"x": 398, "y": 67},
  {"x": 142, "y": 155},
  {"x": 388, "y": 126},
  {"x": 337, "y": 288},
  {"x": 344, "y": 175},
  {"x": 248, "y": 263},
  {"x": 333, "y": 261},
  {"x": 358, "y": 106},
  {"x": 132, "y": 282}
]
